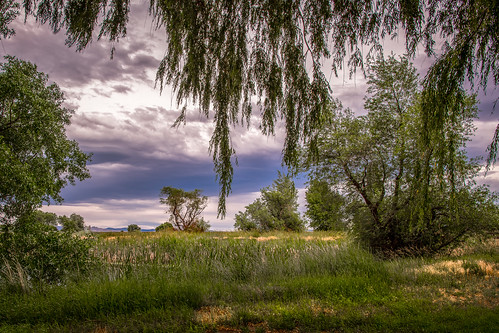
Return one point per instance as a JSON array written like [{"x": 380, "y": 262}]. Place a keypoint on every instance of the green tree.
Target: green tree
[
  {"x": 381, "y": 159},
  {"x": 255, "y": 217},
  {"x": 325, "y": 206},
  {"x": 276, "y": 209},
  {"x": 45, "y": 218},
  {"x": 185, "y": 208},
  {"x": 167, "y": 226},
  {"x": 36, "y": 158},
  {"x": 133, "y": 228},
  {"x": 73, "y": 223},
  {"x": 223, "y": 53},
  {"x": 44, "y": 254}
]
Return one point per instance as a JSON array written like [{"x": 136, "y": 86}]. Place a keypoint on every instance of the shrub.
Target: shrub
[
  {"x": 167, "y": 226},
  {"x": 276, "y": 209},
  {"x": 133, "y": 228},
  {"x": 41, "y": 252}
]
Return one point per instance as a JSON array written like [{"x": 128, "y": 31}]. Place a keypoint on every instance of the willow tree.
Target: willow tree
[
  {"x": 235, "y": 57},
  {"x": 379, "y": 161}
]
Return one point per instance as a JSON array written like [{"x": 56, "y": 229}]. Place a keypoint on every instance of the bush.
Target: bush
[
  {"x": 133, "y": 228},
  {"x": 470, "y": 212},
  {"x": 41, "y": 252},
  {"x": 200, "y": 226},
  {"x": 276, "y": 209},
  {"x": 167, "y": 226}
]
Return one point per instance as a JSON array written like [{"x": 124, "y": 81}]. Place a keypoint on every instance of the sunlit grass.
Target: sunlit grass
[{"x": 251, "y": 282}]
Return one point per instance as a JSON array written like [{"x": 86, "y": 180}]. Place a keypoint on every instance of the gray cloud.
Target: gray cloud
[
  {"x": 134, "y": 58},
  {"x": 121, "y": 89}
]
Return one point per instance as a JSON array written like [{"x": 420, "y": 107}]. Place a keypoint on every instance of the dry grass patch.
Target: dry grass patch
[
  {"x": 485, "y": 295},
  {"x": 319, "y": 309},
  {"x": 330, "y": 238},
  {"x": 209, "y": 315},
  {"x": 103, "y": 330},
  {"x": 474, "y": 282},
  {"x": 267, "y": 238},
  {"x": 462, "y": 267}
]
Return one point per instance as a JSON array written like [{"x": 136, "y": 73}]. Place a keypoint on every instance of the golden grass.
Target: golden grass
[
  {"x": 212, "y": 315},
  {"x": 478, "y": 286},
  {"x": 267, "y": 238},
  {"x": 458, "y": 267},
  {"x": 102, "y": 330}
]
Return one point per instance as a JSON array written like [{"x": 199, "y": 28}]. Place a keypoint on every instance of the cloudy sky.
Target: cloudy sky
[{"x": 126, "y": 123}]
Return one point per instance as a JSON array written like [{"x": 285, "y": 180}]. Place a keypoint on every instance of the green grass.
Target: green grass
[{"x": 248, "y": 282}]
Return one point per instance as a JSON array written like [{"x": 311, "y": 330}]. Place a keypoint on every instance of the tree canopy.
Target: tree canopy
[
  {"x": 133, "y": 228},
  {"x": 9, "y": 9},
  {"x": 275, "y": 209},
  {"x": 408, "y": 197},
  {"x": 185, "y": 208},
  {"x": 36, "y": 158},
  {"x": 238, "y": 57},
  {"x": 73, "y": 223},
  {"x": 325, "y": 206}
]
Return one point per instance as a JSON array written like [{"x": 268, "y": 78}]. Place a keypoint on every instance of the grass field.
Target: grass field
[{"x": 277, "y": 282}]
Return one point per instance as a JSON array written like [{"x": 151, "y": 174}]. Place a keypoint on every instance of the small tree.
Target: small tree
[
  {"x": 185, "y": 208},
  {"x": 133, "y": 228},
  {"x": 46, "y": 218},
  {"x": 255, "y": 217},
  {"x": 74, "y": 223},
  {"x": 325, "y": 206},
  {"x": 276, "y": 209},
  {"x": 167, "y": 226}
]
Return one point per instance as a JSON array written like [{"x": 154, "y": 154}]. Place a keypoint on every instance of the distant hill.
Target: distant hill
[{"x": 124, "y": 229}]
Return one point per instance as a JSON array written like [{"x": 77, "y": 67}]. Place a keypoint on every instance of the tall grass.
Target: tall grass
[{"x": 179, "y": 282}]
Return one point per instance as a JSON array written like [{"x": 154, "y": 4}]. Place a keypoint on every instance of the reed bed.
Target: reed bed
[{"x": 238, "y": 257}]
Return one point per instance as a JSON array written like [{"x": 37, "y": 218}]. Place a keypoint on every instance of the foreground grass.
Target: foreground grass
[{"x": 243, "y": 282}]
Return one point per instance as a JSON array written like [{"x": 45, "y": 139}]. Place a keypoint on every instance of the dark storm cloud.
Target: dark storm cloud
[
  {"x": 129, "y": 177},
  {"x": 136, "y": 153},
  {"x": 132, "y": 60}
]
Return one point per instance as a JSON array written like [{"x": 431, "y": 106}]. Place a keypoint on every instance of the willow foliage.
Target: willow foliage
[{"x": 234, "y": 57}]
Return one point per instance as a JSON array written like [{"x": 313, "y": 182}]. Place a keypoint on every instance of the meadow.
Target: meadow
[{"x": 252, "y": 282}]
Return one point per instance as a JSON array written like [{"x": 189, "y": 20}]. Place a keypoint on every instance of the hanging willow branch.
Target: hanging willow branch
[{"x": 223, "y": 54}]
